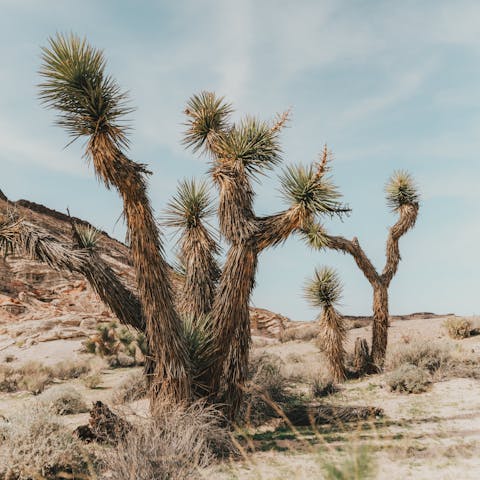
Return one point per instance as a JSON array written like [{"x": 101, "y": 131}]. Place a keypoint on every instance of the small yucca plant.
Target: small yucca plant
[
  {"x": 325, "y": 291},
  {"x": 87, "y": 236}
]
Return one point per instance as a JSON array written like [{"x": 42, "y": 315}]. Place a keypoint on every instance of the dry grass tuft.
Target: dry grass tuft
[
  {"x": 304, "y": 333},
  {"x": 267, "y": 383},
  {"x": 429, "y": 356},
  {"x": 441, "y": 361},
  {"x": 34, "y": 377},
  {"x": 357, "y": 465},
  {"x": 322, "y": 387},
  {"x": 93, "y": 380},
  {"x": 36, "y": 446},
  {"x": 176, "y": 445}
]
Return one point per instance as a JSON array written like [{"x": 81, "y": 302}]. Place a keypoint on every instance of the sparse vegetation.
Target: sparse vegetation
[
  {"x": 34, "y": 377},
  {"x": 267, "y": 385},
  {"x": 409, "y": 378},
  {"x": 322, "y": 387},
  {"x": 357, "y": 465},
  {"x": 93, "y": 380},
  {"x": 426, "y": 355},
  {"x": 176, "y": 444},
  {"x": 118, "y": 345},
  {"x": 63, "y": 400},
  {"x": 36, "y": 445},
  {"x": 458, "y": 328},
  {"x": 134, "y": 387}
]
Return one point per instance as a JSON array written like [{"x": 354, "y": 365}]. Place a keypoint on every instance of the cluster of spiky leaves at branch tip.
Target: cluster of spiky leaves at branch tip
[
  {"x": 190, "y": 205},
  {"x": 400, "y": 190},
  {"x": 325, "y": 291},
  {"x": 75, "y": 84}
]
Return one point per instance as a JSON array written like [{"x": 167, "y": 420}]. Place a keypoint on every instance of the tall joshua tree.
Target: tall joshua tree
[
  {"x": 239, "y": 154},
  {"x": 91, "y": 105},
  {"x": 325, "y": 290},
  {"x": 403, "y": 199}
]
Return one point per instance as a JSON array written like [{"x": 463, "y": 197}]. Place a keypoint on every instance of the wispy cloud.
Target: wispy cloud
[
  {"x": 403, "y": 88},
  {"x": 18, "y": 148}
]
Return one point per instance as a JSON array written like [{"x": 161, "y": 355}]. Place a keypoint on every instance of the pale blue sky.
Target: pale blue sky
[{"x": 386, "y": 84}]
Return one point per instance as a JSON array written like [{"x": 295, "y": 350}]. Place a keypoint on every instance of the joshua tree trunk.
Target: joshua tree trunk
[
  {"x": 380, "y": 324},
  {"x": 332, "y": 336}
]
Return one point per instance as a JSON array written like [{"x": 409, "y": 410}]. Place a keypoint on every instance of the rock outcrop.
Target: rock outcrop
[{"x": 39, "y": 304}]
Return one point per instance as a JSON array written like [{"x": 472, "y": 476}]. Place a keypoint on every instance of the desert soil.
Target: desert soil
[{"x": 435, "y": 434}]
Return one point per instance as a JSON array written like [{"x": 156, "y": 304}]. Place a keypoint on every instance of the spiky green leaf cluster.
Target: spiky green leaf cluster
[
  {"x": 315, "y": 235},
  {"x": 75, "y": 84},
  {"x": 401, "y": 189},
  {"x": 253, "y": 143},
  {"x": 324, "y": 289},
  {"x": 87, "y": 236},
  {"x": 301, "y": 186},
  {"x": 207, "y": 115},
  {"x": 190, "y": 205},
  {"x": 199, "y": 337}
]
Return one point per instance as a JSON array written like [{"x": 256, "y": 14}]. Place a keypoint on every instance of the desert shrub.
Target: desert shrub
[
  {"x": 93, "y": 380},
  {"x": 426, "y": 355},
  {"x": 175, "y": 445},
  {"x": 36, "y": 445},
  {"x": 442, "y": 361},
  {"x": 304, "y": 333},
  {"x": 134, "y": 387},
  {"x": 63, "y": 400},
  {"x": 120, "y": 346},
  {"x": 35, "y": 384},
  {"x": 409, "y": 378},
  {"x": 9, "y": 379},
  {"x": 322, "y": 387},
  {"x": 9, "y": 358},
  {"x": 458, "y": 328},
  {"x": 267, "y": 386},
  {"x": 69, "y": 369}
]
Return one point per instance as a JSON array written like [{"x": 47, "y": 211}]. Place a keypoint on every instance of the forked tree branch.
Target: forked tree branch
[
  {"x": 355, "y": 250},
  {"x": 32, "y": 241}
]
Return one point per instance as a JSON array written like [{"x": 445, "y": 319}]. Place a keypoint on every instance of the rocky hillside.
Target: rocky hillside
[{"x": 39, "y": 304}]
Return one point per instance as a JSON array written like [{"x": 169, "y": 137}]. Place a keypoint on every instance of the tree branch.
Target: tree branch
[
  {"x": 39, "y": 245},
  {"x": 407, "y": 219},
  {"x": 353, "y": 248},
  {"x": 275, "y": 229}
]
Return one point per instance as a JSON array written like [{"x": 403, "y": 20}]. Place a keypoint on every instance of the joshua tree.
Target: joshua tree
[
  {"x": 92, "y": 105},
  {"x": 403, "y": 199},
  {"x": 239, "y": 153},
  {"x": 325, "y": 291},
  {"x": 205, "y": 314}
]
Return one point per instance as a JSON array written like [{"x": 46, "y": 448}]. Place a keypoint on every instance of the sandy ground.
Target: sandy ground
[{"x": 435, "y": 434}]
